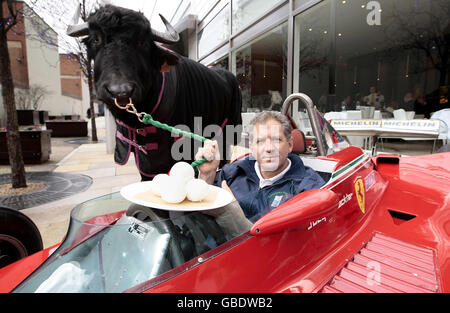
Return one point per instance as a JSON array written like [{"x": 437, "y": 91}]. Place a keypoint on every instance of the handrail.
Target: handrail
[{"x": 312, "y": 117}]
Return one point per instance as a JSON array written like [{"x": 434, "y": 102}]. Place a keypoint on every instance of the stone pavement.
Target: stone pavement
[
  {"x": 51, "y": 186},
  {"x": 69, "y": 157}
]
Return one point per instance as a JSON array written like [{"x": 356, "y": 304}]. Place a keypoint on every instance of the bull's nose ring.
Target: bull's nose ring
[{"x": 123, "y": 107}]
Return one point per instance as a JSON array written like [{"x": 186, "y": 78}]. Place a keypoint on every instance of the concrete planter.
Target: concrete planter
[
  {"x": 27, "y": 117},
  {"x": 36, "y": 146},
  {"x": 43, "y": 116},
  {"x": 63, "y": 128}
]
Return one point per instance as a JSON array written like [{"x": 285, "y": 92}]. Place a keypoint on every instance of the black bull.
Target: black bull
[{"x": 175, "y": 90}]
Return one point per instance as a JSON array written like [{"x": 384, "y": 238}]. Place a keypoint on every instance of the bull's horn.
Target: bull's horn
[
  {"x": 78, "y": 30},
  {"x": 75, "y": 29},
  {"x": 169, "y": 37},
  {"x": 76, "y": 15}
]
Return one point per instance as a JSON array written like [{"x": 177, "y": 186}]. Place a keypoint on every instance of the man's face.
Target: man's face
[{"x": 270, "y": 146}]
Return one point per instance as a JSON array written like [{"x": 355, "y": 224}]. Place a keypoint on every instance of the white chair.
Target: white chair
[
  {"x": 353, "y": 115},
  {"x": 367, "y": 112},
  {"x": 400, "y": 114},
  {"x": 410, "y": 115},
  {"x": 377, "y": 115},
  {"x": 444, "y": 129},
  {"x": 335, "y": 116}
]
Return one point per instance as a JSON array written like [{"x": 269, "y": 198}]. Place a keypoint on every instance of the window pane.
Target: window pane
[
  {"x": 215, "y": 33},
  {"x": 385, "y": 54},
  {"x": 245, "y": 11},
  {"x": 396, "y": 57},
  {"x": 182, "y": 9},
  {"x": 313, "y": 56},
  {"x": 261, "y": 68},
  {"x": 221, "y": 63}
]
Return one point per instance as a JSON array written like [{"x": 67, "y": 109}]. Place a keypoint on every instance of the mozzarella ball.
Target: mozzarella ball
[
  {"x": 182, "y": 171},
  {"x": 196, "y": 189},
  {"x": 158, "y": 183},
  {"x": 173, "y": 191}
]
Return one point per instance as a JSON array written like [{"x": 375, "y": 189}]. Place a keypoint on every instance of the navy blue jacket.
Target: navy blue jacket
[{"x": 243, "y": 181}]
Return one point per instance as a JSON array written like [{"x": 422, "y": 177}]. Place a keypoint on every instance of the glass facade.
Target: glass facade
[
  {"x": 215, "y": 33},
  {"x": 312, "y": 54},
  {"x": 372, "y": 56},
  {"x": 384, "y": 54},
  {"x": 261, "y": 68},
  {"x": 246, "y": 11},
  {"x": 221, "y": 63}
]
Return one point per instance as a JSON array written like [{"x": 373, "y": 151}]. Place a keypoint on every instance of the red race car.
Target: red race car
[{"x": 379, "y": 224}]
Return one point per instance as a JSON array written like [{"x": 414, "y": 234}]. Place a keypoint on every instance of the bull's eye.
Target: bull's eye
[{"x": 96, "y": 40}]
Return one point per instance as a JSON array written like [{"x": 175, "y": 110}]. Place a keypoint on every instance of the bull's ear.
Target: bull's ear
[{"x": 167, "y": 59}]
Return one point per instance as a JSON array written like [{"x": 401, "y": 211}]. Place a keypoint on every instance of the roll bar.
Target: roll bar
[{"x": 306, "y": 100}]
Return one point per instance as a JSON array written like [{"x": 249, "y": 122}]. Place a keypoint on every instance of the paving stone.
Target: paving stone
[{"x": 58, "y": 186}]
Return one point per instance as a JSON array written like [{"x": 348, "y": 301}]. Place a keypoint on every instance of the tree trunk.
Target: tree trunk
[
  {"x": 91, "y": 102},
  {"x": 13, "y": 136}
]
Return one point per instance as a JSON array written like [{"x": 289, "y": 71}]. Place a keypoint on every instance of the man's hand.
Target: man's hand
[{"x": 210, "y": 152}]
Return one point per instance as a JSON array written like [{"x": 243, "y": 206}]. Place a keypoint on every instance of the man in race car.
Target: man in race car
[{"x": 270, "y": 176}]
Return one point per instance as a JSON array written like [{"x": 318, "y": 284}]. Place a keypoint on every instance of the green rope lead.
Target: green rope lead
[{"x": 147, "y": 119}]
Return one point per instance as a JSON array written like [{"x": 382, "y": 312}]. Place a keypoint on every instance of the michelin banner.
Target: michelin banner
[{"x": 378, "y": 127}]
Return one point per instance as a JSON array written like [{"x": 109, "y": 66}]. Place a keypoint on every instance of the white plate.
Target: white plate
[{"x": 133, "y": 193}]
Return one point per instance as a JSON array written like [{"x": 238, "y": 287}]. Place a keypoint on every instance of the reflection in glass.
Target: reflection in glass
[
  {"x": 312, "y": 55},
  {"x": 221, "y": 63},
  {"x": 181, "y": 11},
  {"x": 245, "y": 11},
  {"x": 215, "y": 33},
  {"x": 261, "y": 68},
  {"x": 384, "y": 57},
  {"x": 402, "y": 63}
]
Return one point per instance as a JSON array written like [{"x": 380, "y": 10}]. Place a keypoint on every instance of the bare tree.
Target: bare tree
[
  {"x": 9, "y": 16},
  {"x": 425, "y": 29},
  {"x": 32, "y": 97},
  {"x": 312, "y": 56},
  {"x": 63, "y": 10},
  {"x": 86, "y": 67}
]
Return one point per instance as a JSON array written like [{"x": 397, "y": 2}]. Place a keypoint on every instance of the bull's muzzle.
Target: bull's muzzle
[{"x": 120, "y": 92}]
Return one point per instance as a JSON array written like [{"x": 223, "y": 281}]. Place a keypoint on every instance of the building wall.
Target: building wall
[
  {"x": 74, "y": 86},
  {"x": 332, "y": 51},
  {"x": 43, "y": 64},
  {"x": 70, "y": 76},
  {"x": 18, "y": 56},
  {"x": 17, "y": 49},
  {"x": 35, "y": 60}
]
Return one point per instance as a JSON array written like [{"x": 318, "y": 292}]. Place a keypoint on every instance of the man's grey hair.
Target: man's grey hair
[{"x": 265, "y": 116}]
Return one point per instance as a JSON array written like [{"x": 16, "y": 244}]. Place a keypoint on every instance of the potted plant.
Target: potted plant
[
  {"x": 35, "y": 141},
  {"x": 28, "y": 102}
]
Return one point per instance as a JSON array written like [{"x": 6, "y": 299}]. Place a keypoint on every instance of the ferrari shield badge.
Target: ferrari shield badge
[{"x": 360, "y": 192}]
